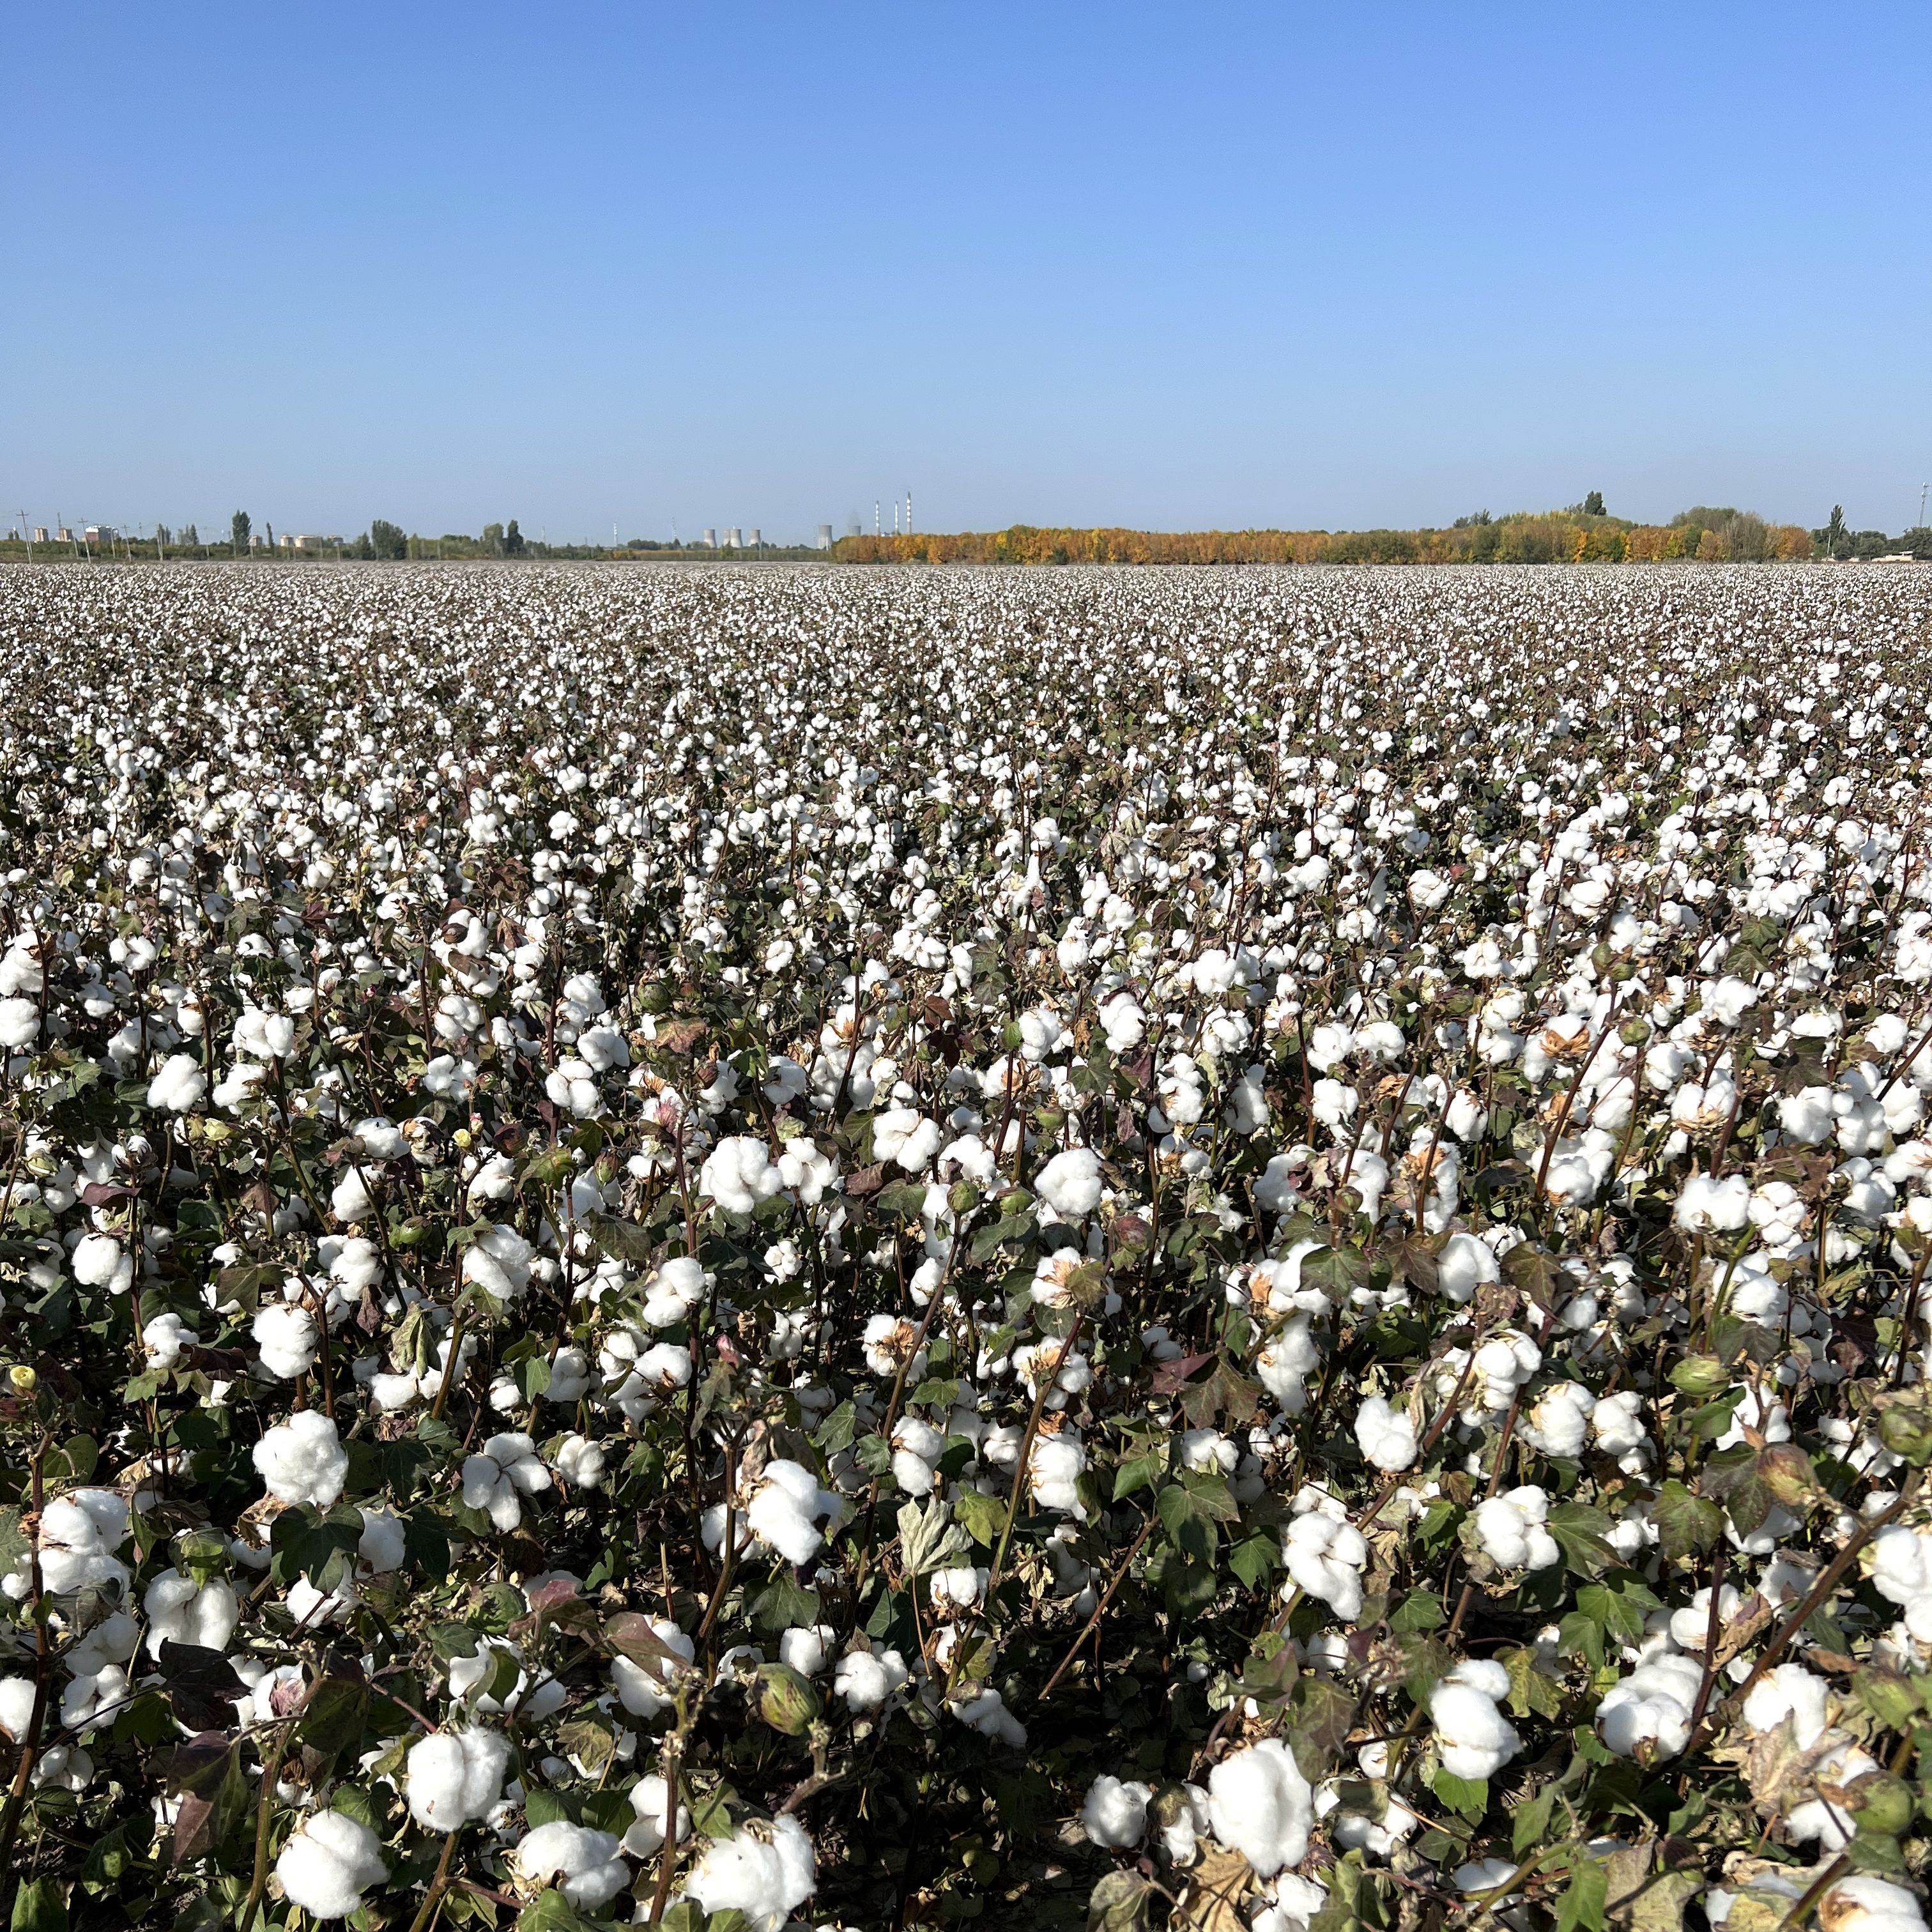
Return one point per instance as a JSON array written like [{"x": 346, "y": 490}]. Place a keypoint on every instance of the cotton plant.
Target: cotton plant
[{"x": 681, "y": 1210}]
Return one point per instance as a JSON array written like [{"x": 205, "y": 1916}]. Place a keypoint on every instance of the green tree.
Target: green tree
[
  {"x": 513, "y": 540},
  {"x": 387, "y": 540},
  {"x": 1593, "y": 504},
  {"x": 492, "y": 539},
  {"x": 238, "y": 531},
  {"x": 1834, "y": 537}
]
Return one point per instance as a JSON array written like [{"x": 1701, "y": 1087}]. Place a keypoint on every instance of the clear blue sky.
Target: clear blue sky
[{"x": 1174, "y": 266}]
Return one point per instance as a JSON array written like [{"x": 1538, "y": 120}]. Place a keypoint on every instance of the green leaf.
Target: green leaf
[
  {"x": 1687, "y": 1524},
  {"x": 1529, "y": 1825},
  {"x": 40, "y": 1905},
  {"x": 1469, "y": 1796},
  {"x": 1580, "y": 1531},
  {"x": 1582, "y": 1901},
  {"x": 1620, "y": 1603}
]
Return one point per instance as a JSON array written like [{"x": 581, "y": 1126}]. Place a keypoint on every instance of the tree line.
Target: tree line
[{"x": 1582, "y": 533}]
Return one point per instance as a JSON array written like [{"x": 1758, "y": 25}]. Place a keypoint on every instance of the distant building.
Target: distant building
[
  {"x": 98, "y": 533},
  {"x": 66, "y": 534},
  {"x": 825, "y": 536},
  {"x": 308, "y": 545},
  {"x": 734, "y": 539},
  {"x": 711, "y": 539},
  {"x": 40, "y": 533},
  {"x": 754, "y": 537}
]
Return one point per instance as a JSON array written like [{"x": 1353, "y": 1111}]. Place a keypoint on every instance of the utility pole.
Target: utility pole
[{"x": 27, "y": 535}]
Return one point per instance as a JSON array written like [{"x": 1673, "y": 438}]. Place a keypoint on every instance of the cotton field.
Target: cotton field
[{"x": 884, "y": 1249}]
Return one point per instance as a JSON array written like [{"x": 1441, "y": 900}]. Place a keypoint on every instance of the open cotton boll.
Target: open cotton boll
[
  {"x": 1651, "y": 1707},
  {"x": 1259, "y": 1803},
  {"x": 1386, "y": 1435},
  {"x": 1115, "y": 1813},
  {"x": 164, "y": 1340},
  {"x": 649, "y": 1800},
  {"x": 1285, "y": 1360},
  {"x": 286, "y": 1334},
  {"x": 785, "y": 1512},
  {"x": 1510, "y": 1528},
  {"x": 507, "y": 1464},
  {"x": 765, "y": 1871},
  {"x": 452, "y": 1777},
  {"x": 583, "y": 1863},
  {"x": 1325, "y": 1558},
  {"x": 179, "y": 1084},
  {"x": 1477, "y": 1740},
  {"x": 99, "y": 1261},
  {"x": 865, "y": 1678},
  {"x": 79, "y": 1533},
  {"x": 738, "y": 1173},
  {"x": 1557, "y": 1423},
  {"x": 180, "y": 1610},
  {"x": 804, "y": 1648},
  {"x": 645, "y": 1689},
  {"x": 1708, "y": 1206},
  {"x": 1293, "y": 1902},
  {"x": 1054, "y": 1466},
  {"x": 675, "y": 1287},
  {"x": 499, "y": 1262},
  {"x": 917, "y": 1447},
  {"x": 987, "y": 1714},
  {"x": 331, "y": 1861},
  {"x": 302, "y": 1460},
  {"x": 1864, "y": 1903},
  {"x": 1070, "y": 1183}
]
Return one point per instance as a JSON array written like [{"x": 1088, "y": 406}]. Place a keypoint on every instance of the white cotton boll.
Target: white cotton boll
[
  {"x": 332, "y": 1860},
  {"x": 738, "y": 1173},
  {"x": 302, "y": 1460},
  {"x": 20, "y": 1026},
  {"x": 1325, "y": 1558},
  {"x": 178, "y": 1085},
  {"x": 100, "y": 1261},
  {"x": 452, "y": 1777},
  {"x": 79, "y": 1533},
  {"x": 1558, "y": 1421},
  {"x": 491, "y": 1479},
  {"x": 905, "y": 1136},
  {"x": 1054, "y": 1466},
  {"x": 1259, "y": 1803},
  {"x": 286, "y": 1334},
  {"x": 1790, "y": 1691},
  {"x": 1070, "y": 1183},
  {"x": 1705, "y": 1205},
  {"x": 1509, "y": 1528},
  {"x": 1285, "y": 1361},
  {"x": 650, "y": 1801},
  {"x": 350, "y": 1200},
  {"x": 1386, "y": 1435},
  {"x": 805, "y": 1648},
  {"x": 1115, "y": 1814},
  {"x": 1864, "y": 1903},
  {"x": 785, "y": 1512},
  {"x": 1651, "y": 1706},
  {"x": 569, "y": 1375},
  {"x": 581, "y": 1462},
  {"x": 766, "y": 1872},
  {"x": 1805, "y": 1117},
  {"x": 1465, "y": 1265},
  {"x": 675, "y": 1287},
  {"x": 584, "y": 1863},
  {"x": 164, "y": 1338},
  {"x": 17, "y": 1698},
  {"x": 865, "y": 1678},
  {"x": 987, "y": 1714},
  {"x": 1899, "y": 1560},
  {"x": 643, "y": 1689},
  {"x": 1477, "y": 1740},
  {"x": 180, "y": 1610},
  {"x": 498, "y": 1261},
  {"x": 1618, "y": 1422}
]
